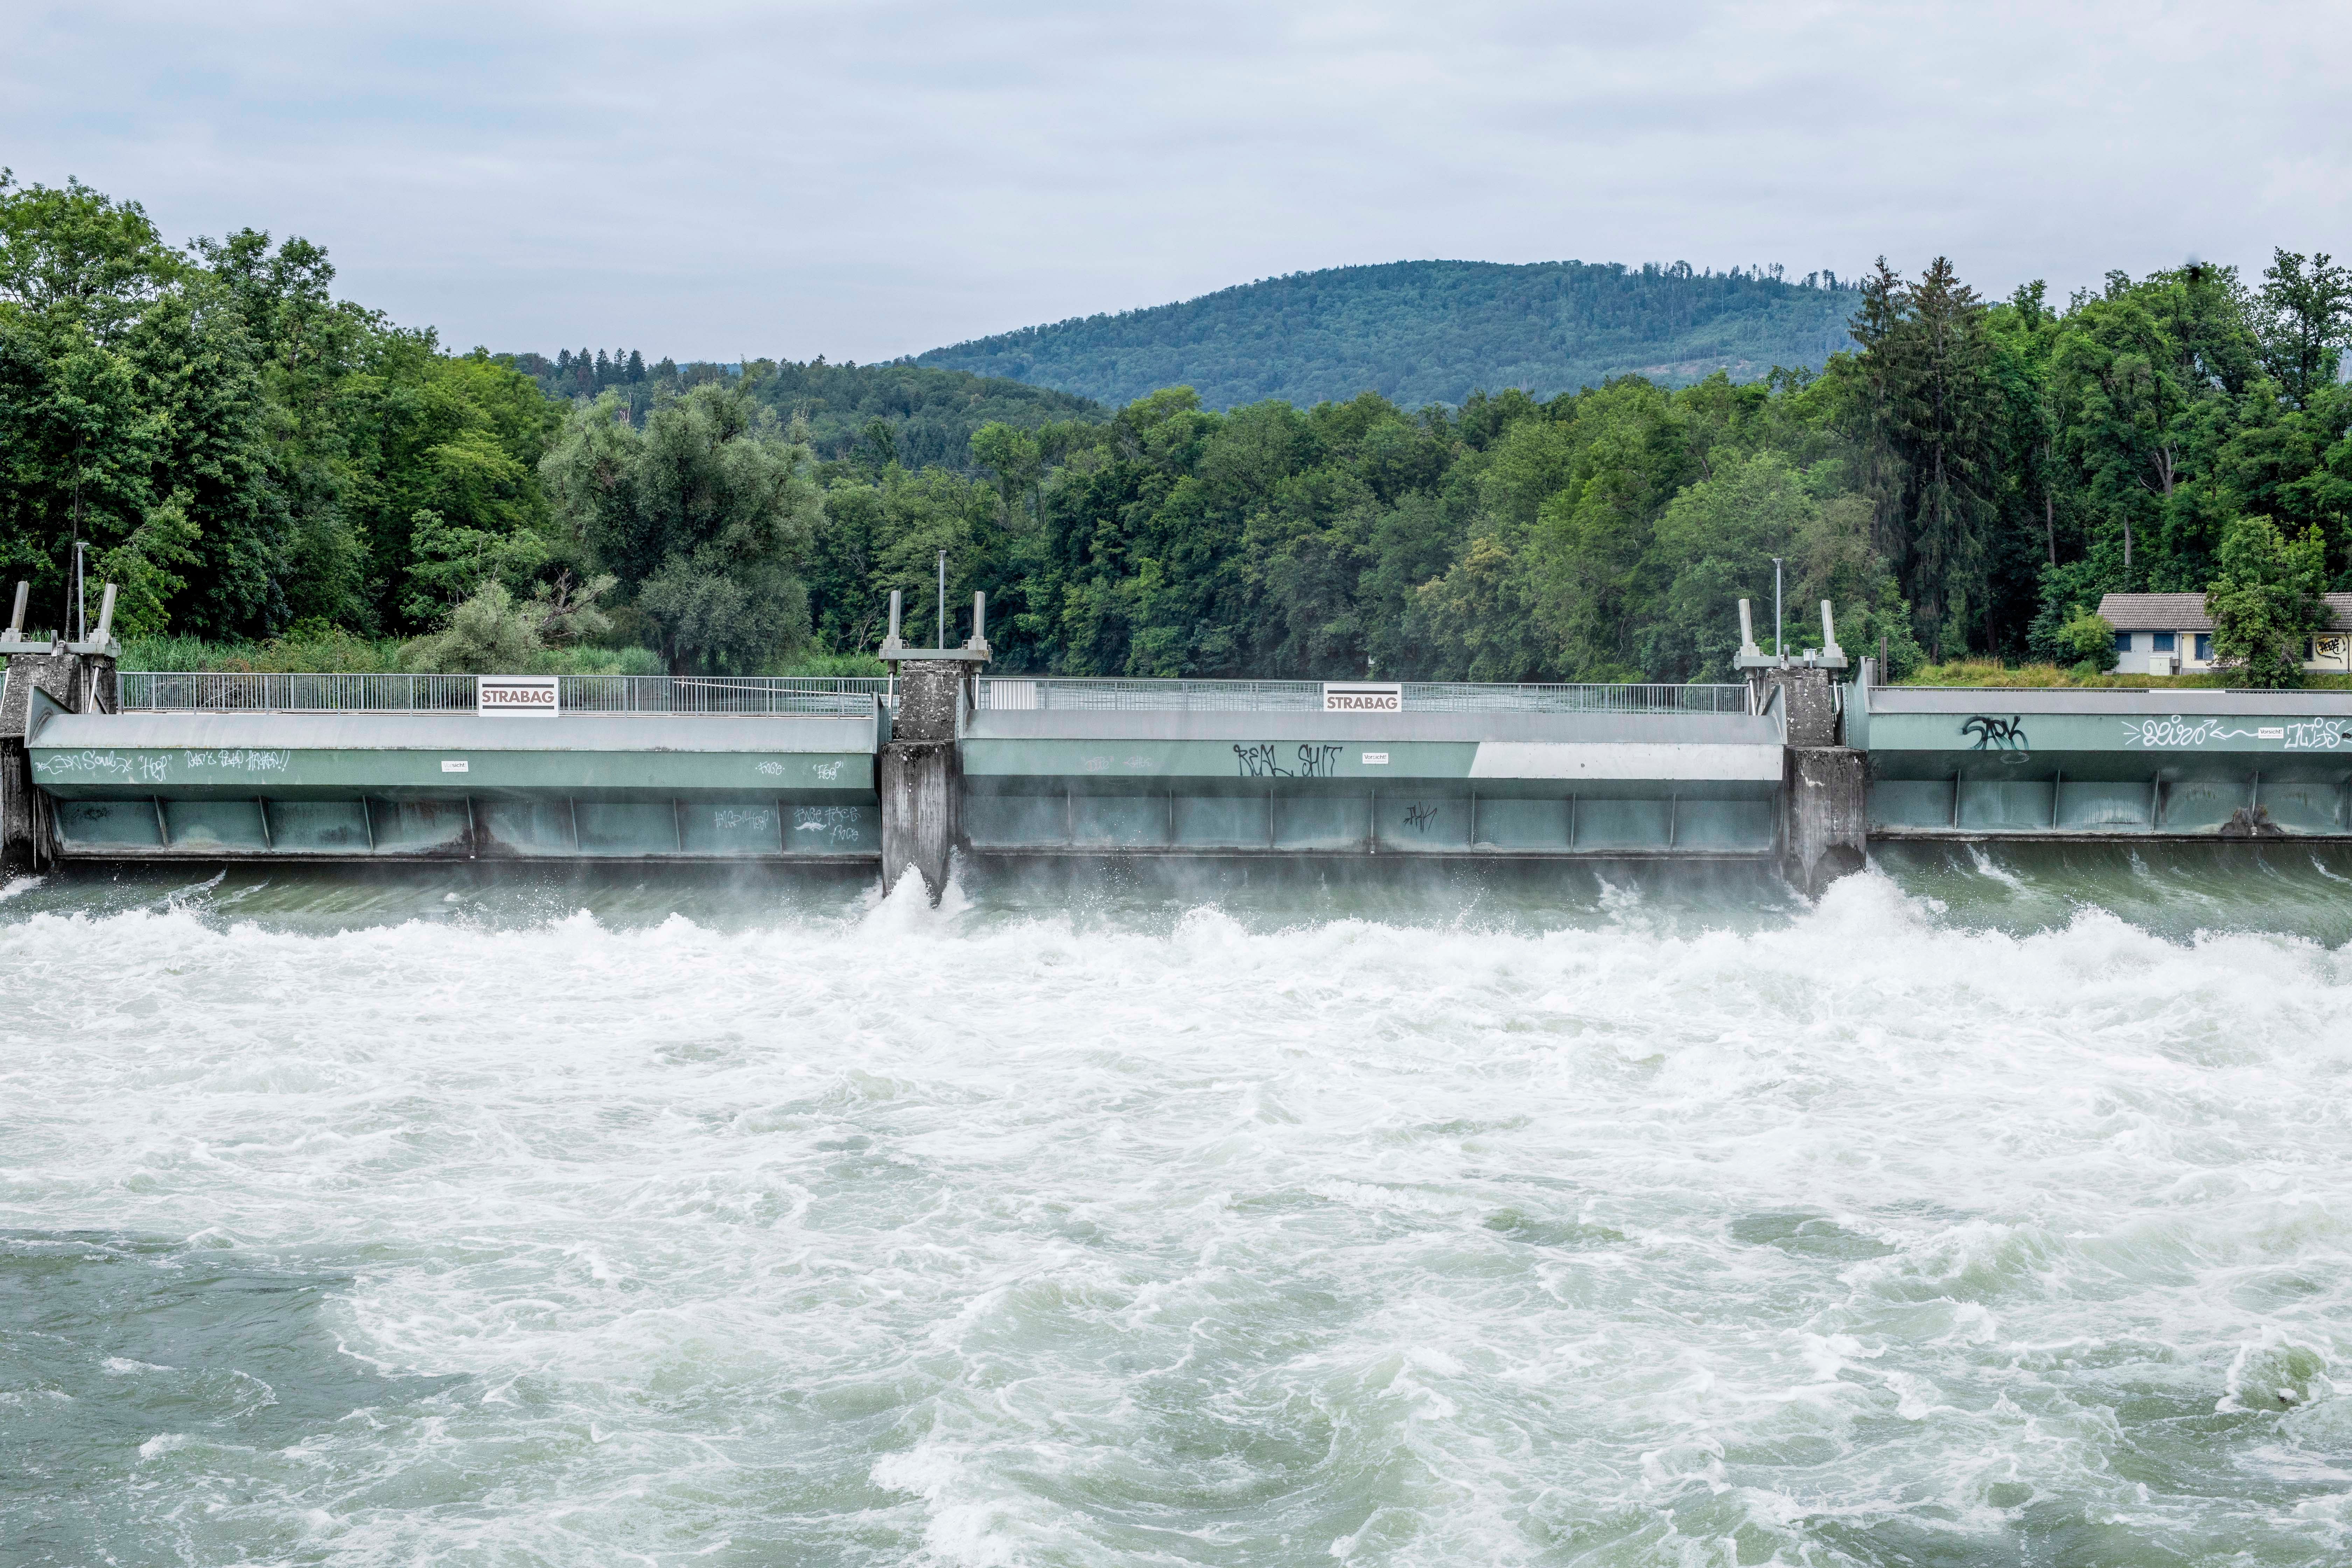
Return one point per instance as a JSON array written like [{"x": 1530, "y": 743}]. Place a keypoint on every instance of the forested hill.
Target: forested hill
[
  {"x": 923, "y": 417},
  {"x": 1432, "y": 331},
  {"x": 245, "y": 456}
]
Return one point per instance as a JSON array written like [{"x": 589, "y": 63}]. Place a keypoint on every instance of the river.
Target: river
[{"x": 1991, "y": 1211}]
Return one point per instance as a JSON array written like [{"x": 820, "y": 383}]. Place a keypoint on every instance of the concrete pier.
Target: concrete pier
[
  {"x": 74, "y": 677},
  {"x": 1808, "y": 699},
  {"x": 1825, "y": 787},
  {"x": 1825, "y": 790},
  {"x": 920, "y": 773},
  {"x": 921, "y": 788},
  {"x": 1828, "y": 824}
]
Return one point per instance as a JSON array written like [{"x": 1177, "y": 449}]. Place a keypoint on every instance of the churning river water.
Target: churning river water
[{"x": 1991, "y": 1211}]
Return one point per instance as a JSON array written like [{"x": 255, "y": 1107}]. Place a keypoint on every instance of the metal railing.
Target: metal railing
[
  {"x": 159, "y": 690},
  {"x": 181, "y": 691},
  {"x": 748, "y": 694},
  {"x": 1027, "y": 693}
]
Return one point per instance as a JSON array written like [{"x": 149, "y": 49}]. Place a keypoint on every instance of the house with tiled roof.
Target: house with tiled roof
[{"x": 2171, "y": 634}]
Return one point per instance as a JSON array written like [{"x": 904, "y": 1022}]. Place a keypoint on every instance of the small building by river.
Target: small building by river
[{"x": 2171, "y": 634}]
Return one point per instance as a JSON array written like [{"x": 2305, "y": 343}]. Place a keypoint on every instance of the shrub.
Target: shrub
[{"x": 2089, "y": 639}]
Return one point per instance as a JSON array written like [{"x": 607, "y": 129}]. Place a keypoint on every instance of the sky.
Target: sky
[{"x": 865, "y": 180}]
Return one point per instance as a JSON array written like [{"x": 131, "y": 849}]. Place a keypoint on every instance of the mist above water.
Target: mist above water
[{"x": 1991, "y": 1210}]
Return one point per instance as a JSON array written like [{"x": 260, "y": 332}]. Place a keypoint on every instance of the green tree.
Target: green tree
[
  {"x": 1013, "y": 459},
  {"x": 1932, "y": 407},
  {"x": 703, "y": 516},
  {"x": 2307, "y": 313},
  {"x": 2266, "y": 601},
  {"x": 78, "y": 452},
  {"x": 74, "y": 255}
]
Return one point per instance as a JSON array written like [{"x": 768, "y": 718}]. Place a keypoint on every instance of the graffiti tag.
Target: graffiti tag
[
  {"x": 834, "y": 824},
  {"x": 237, "y": 760},
  {"x": 1420, "y": 816},
  {"x": 1258, "y": 762},
  {"x": 112, "y": 764},
  {"x": 2297, "y": 735},
  {"x": 1996, "y": 734},
  {"x": 1260, "y": 759}
]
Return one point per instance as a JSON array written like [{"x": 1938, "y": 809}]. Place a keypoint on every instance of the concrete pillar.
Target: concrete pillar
[
  {"x": 921, "y": 773},
  {"x": 80, "y": 682},
  {"x": 1827, "y": 832},
  {"x": 923, "y": 788},
  {"x": 928, "y": 693},
  {"x": 1809, "y": 698}
]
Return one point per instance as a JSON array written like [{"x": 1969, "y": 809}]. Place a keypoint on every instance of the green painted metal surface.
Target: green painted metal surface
[
  {"x": 1405, "y": 784},
  {"x": 2098, "y": 763},
  {"x": 476, "y": 826},
  {"x": 379, "y": 786},
  {"x": 1344, "y": 817}
]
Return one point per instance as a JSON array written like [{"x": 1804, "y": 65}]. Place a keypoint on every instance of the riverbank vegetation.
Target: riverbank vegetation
[
  {"x": 2042, "y": 676},
  {"x": 283, "y": 475}
]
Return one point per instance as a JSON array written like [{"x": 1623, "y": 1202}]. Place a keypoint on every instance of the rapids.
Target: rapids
[{"x": 1991, "y": 1211}]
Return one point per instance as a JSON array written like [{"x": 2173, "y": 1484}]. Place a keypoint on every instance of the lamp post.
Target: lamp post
[{"x": 1782, "y": 652}]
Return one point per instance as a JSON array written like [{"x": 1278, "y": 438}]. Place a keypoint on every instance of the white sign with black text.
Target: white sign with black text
[
  {"x": 515, "y": 694},
  {"x": 1363, "y": 696}
]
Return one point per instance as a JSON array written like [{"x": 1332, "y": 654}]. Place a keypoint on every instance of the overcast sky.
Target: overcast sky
[{"x": 863, "y": 180}]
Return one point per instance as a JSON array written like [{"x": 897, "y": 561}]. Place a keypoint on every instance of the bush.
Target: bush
[
  {"x": 2089, "y": 639},
  {"x": 490, "y": 633}
]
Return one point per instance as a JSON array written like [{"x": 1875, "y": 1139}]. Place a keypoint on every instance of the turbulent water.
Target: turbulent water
[{"x": 1990, "y": 1211}]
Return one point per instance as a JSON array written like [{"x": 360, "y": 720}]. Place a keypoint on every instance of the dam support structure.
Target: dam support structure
[
  {"x": 43, "y": 678},
  {"x": 1791, "y": 768},
  {"x": 921, "y": 787},
  {"x": 920, "y": 769},
  {"x": 1825, "y": 789},
  {"x": 1826, "y": 796},
  {"x": 1825, "y": 793}
]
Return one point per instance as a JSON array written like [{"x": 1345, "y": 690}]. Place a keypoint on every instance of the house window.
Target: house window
[
  {"x": 2163, "y": 643},
  {"x": 2123, "y": 642},
  {"x": 2204, "y": 647}
]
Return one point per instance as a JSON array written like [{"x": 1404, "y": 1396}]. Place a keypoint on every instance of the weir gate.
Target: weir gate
[{"x": 1793, "y": 766}]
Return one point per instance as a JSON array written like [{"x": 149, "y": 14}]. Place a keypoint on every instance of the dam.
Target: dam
[{"x": 1794, "y": 766}]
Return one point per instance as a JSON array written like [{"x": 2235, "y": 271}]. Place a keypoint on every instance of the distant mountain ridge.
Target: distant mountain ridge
[{"x": 1432, "y": 331}]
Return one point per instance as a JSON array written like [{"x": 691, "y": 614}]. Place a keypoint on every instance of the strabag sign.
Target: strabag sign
[
  {"x": 1363, "y": 696},
  {"x": 515, "y": 694}
]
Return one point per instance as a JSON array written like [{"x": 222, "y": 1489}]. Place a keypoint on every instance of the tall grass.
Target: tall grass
[{"x": 338, "y": 653}]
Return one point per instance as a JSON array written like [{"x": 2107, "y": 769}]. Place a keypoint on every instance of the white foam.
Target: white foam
[{"x": 1000, "y": 1241}]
